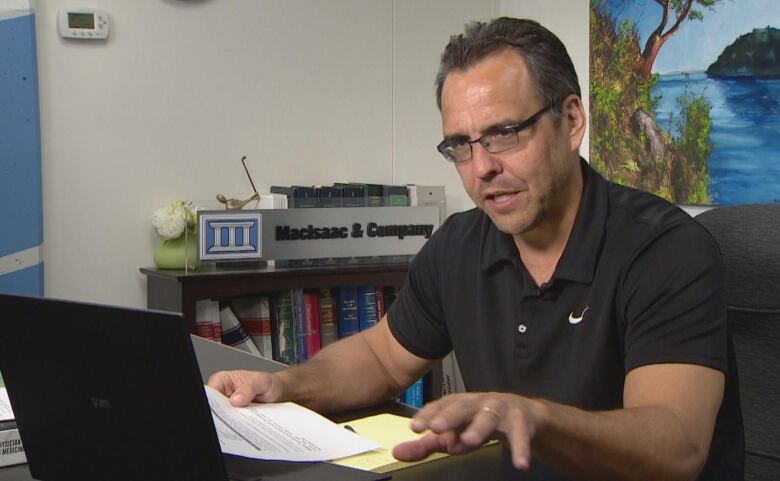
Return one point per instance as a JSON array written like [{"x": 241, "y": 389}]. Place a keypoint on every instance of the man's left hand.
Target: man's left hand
[{"x": 460, "y": 423}]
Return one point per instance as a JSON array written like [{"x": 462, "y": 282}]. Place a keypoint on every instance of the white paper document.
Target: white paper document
[
  {"x": 281, "y": 431},
  {"x": 6, "y": 413}
]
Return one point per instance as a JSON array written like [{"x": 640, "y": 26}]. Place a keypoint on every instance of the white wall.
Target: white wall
[
  {"x": 568, "y": 19},
  {"x": 310, "y": 91}
]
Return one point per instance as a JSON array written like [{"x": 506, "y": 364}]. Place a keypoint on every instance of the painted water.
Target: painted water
[{"x": 744, "y": 165}]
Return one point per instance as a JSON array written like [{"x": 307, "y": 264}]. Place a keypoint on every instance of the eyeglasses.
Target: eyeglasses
[{"x": 500, "y": 140}]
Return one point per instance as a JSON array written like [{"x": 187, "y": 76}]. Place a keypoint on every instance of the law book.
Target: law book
[
  {"x": 366, "y": 301},
  {"x": 329, "y": 331},
  {"x": 451, "y": 379},
  {"x": 374, "y": 195},
  {"x": 348, "y": 311},
  {"x": 328, "y": 196},
  {"x": 299, "y": 321},
  {"x": 413, "y": 396},
  {"x": 11, "y": 449},
  {"x": 254, "y": 314},
  {"x": 380, "y": 302},
  {"x": 207, "y": 322},
  {"x": 395, "y": 195},
  {"x": 304, "y": 197},
  {"x": 282, "y": 328},
  {"x": 311, "y": 313},
  {"x": 234, "y": 334},
  {"x": 352, "y": 195}
]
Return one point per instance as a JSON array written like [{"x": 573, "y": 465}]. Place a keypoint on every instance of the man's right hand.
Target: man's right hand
[{"x": 243, "y": 387}]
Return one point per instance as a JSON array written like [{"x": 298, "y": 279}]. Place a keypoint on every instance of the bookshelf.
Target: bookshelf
[{"x": 177, "y": 291}]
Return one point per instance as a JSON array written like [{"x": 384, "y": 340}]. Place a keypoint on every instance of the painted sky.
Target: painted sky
[{"x": 698, "y": 43}]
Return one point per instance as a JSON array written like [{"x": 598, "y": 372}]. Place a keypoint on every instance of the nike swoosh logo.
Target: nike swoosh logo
[{"x": 577, "y": 320}]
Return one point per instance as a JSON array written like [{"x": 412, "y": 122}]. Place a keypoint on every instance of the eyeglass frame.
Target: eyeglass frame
[{"x": 517, "y": 128}]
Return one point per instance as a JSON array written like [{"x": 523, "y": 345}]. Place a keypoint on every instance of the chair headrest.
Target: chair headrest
[{"x": 749, "y": 239}]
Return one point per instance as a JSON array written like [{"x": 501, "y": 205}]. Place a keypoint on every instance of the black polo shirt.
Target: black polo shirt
[{"x": 639, "y": 282}]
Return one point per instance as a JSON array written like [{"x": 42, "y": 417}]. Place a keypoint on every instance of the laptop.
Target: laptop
[{"x": 104, "y": 392}]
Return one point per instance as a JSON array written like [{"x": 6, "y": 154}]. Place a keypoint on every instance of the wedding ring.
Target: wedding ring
[{"x": 492, "y": 411}]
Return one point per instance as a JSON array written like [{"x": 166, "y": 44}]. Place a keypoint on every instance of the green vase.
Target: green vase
[{"x": 176, "y": 253}]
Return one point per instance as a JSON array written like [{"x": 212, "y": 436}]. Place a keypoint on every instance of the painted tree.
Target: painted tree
[{"x": 679, "y": 11}]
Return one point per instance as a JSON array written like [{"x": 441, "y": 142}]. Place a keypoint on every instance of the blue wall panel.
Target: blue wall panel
[
  {"x": 20, "y": 152},
  {"x": 23, "y": 282}
]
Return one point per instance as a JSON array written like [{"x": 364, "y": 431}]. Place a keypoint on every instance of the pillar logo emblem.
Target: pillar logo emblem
[{"x": 229, "y": 236}]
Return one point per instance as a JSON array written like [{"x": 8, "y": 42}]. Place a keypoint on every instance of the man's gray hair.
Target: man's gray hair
[{"x": 543, "y": 52}]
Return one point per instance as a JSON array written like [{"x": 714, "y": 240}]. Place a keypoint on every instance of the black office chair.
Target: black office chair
[{"x": 749, "y": 239}]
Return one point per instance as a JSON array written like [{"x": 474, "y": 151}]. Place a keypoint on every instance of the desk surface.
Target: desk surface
[{"x": 486, "y": 464}]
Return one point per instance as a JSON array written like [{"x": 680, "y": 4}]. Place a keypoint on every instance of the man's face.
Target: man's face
[{"x": 526, "y": 185}]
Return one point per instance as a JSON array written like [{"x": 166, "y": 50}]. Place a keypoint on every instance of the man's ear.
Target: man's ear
[{"x": 575, "y": 121}]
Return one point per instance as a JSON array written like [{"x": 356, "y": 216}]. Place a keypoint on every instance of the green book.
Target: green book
[{"x": 283, "y": 328}]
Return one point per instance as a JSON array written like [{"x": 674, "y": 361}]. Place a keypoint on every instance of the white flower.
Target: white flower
[{"x": 170, "y": 221}]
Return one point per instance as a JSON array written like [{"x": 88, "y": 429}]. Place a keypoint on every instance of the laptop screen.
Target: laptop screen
[{"x": 106, "y": 393}]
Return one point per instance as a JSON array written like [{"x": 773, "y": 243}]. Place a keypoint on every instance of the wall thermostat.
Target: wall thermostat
[{"x": 83, "y": 23}]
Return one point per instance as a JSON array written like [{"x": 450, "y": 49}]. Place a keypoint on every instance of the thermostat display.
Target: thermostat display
[{"x": 83, "y": 23}]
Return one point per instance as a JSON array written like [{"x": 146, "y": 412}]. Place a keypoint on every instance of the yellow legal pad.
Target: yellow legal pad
[{"x": 386, "y": 430}]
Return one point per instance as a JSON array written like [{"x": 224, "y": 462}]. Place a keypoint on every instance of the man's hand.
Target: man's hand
[
  {"x": 243, "y": 387},
  {"x": 460, "y": 423}
]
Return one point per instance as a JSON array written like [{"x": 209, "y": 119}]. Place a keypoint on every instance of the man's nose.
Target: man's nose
[{"x": 484, "y": 164}]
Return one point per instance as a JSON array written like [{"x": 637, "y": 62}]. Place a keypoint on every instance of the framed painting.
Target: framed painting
[{"x": 685, "y": 98}]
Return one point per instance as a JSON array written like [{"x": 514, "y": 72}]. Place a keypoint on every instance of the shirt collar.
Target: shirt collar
[{"x": 581, "y": 253}]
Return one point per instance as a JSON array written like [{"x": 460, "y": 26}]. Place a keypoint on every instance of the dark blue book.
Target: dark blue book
[
  {"x": 367, "y": 314},
  {"x": 352, "y": 195},
  {"x": 348, "y": 311},
  {"x": 299, "y": 321},
  {"x": 328, "y": 196},
  {"x": 303, "y": 197}
]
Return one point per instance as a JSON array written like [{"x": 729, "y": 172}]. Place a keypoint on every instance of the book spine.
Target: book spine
[
  {"x": 299, "y": 318},
  {"x": 329, "y": 331},
  {"x": 366, "y": 297},
  {"x": 233, "y": 333},
  {"x": 264, "y": 343},
  {"x": 374, "y": 195},
  {"x": 216, "y": 321},
  {"x": 304, "y": 197},
  {"x": 204, "y": 319},
  {"x": 348, "y": 312},
  {"x": 413, "y": 396},
  {"x": 255, "y": 318},
  {"x": 11, "y": 449},
  {"x": 380, "y": 303},
  {"x": 311, "y": 312},
  {"x": 283, "y": 331}
]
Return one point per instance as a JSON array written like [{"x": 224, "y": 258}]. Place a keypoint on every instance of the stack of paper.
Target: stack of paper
[
  {"x": 281, "y": 431},
  {"x": 387, "y": 430}
]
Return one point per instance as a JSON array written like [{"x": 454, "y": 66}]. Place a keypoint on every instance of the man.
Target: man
[{"x": 588, "y": 318}]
